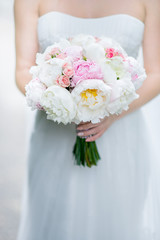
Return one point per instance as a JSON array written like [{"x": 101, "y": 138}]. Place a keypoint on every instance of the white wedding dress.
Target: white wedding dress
[{"x": 117, "y": 200}]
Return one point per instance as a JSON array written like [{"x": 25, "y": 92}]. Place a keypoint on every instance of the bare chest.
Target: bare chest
[{"x": 93, "y": 8}]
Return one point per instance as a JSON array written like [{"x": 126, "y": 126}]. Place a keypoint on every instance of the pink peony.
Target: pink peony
[
  {"x": 84, "y": 70},
  {"x": 75, "y": 52},
  {"x": 63, "y": 81}
]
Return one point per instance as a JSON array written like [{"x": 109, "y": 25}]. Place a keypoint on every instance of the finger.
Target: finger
[
  {"x": 91, "y": 131},
  {"x": 82, "y": 123},
  {"x": 87, "y": 126},
  {"x": 95, "y": 137}
]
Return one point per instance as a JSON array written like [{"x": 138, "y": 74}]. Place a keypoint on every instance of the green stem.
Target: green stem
[{"x": 85, "y": 153}]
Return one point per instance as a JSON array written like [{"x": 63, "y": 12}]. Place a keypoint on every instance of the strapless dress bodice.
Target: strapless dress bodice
[{"x": 125, "y": 29}]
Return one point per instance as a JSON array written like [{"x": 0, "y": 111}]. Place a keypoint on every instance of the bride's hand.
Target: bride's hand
[{"x": 92, "y": 131}]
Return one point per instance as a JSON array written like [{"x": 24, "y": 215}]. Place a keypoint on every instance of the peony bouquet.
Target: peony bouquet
[{"x": 81, "y": 79}]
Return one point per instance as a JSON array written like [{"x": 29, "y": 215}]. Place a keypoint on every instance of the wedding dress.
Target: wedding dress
[{"x": 116, "y": 200}]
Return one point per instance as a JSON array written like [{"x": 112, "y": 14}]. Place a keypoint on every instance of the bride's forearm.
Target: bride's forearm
[
  {"x": 22, "y": 78},
  {"x": 149, "y": 90}
]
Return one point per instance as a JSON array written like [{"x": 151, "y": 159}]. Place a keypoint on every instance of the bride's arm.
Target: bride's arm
[
  {"x": 151, "y": 86},
  {"x": 151, "y": 53},
  {"x": 26, "y": 15}
]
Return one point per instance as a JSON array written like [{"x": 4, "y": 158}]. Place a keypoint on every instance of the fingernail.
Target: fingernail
[{"x": 80, "y": 134}]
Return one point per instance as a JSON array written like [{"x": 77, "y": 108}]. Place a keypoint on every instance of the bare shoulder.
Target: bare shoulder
[
  {"x": 26, "y": 18},
  {"x": 152, "y": 8},
  {"x": 24, "y": 8},
  {"x": 26, "y": 40},
  {"x": 151, "y": 43},
  {"x": 153, "y": 4}
]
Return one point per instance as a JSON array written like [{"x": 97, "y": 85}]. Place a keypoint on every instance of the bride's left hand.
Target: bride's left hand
[{"x": 92, "y": 131}]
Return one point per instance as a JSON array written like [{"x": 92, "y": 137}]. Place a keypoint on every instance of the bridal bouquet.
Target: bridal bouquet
[{"x": 83, "y": 78}]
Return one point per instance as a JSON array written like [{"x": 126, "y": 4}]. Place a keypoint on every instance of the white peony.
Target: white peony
[
  {"x": 82, "y": 40},
  {"x": 34, "y": 71},
  {"x": 63, "y": 44},
  {"x": 40, "y": 58},
  {"x": 108, "y": 73},
  {"x": 91, "y": 97},
  {"x": 58, "y": 104},
  {"x": 119, "y": 67},
  {"x": 50, "y": 70},
  {"x": 34, "y": 90},
  {"x": 114, "y": 69},
  {"x": 94, "y": 52},
  {"x": 123, "y": 93}
]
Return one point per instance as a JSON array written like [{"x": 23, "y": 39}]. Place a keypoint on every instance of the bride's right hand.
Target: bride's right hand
[{"x": 92, "y": 131}]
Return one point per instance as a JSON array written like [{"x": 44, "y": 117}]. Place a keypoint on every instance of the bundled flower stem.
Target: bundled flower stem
[{"x": 85, "y": 153}]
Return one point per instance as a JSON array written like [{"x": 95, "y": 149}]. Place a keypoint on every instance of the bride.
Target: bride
[{"x": 117, "y": 200}]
